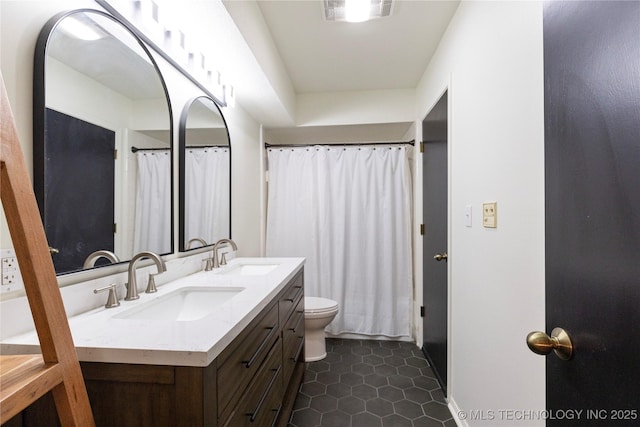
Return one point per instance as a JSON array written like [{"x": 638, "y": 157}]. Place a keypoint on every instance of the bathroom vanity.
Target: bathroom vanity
[{"x": 239, "y": 364}]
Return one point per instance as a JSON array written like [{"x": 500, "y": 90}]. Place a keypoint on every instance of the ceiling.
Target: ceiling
[
  {"x": 303, "y": 55},
  {"x": 386, "y": 53}
]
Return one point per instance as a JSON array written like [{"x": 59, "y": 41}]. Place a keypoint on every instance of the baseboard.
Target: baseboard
[
  {"x": 455, "y": 412},
  {"x": 352, "y": 336}
]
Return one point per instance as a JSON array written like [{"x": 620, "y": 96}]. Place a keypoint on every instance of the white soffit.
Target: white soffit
[{"x": 380, "y": 132}]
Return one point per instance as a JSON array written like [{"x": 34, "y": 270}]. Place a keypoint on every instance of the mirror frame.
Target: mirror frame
[
  {"x": 182, "y": 147},
  {"x": 39, "y": 108}
]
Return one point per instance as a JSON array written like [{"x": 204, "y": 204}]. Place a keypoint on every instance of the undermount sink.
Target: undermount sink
[
  {"x": 251, "y": 269},
  {"x": 185, "y": 304}
]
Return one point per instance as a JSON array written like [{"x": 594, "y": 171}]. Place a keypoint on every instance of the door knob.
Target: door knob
[
  {"x": 440, "y": 257},
  {"x": 559, "y": 342}
]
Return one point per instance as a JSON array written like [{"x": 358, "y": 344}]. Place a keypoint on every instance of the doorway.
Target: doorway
[{"x": 435, "y": 241}]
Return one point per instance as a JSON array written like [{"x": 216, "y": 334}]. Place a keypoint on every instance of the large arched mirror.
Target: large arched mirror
[
  {"x": 102, "y": 142},
  {"x": 205, "y": 172}
]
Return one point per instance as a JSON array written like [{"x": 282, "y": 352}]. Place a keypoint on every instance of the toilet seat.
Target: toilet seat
[{"x": 318, "y": 305}]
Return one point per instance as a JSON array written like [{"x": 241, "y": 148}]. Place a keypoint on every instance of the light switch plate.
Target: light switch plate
[
  {"x": 490, "y": 214},
  {"x": 468, "y": 216}
]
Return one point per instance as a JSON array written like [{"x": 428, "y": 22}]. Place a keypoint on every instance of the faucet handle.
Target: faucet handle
[
  {"x": 112, "y": 299},
  {"x": 223, "y": 259},
  {"x": 151, "y": 284}
]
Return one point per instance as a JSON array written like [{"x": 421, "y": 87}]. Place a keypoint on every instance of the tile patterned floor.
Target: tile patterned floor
[{"x": 370, "y": 384}]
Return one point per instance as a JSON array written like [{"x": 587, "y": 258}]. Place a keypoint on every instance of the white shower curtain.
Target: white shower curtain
[
  {"x": 348, "y": 211},
  {"x": 207, "y": 193},
  {"x": 152, "y": 229}
]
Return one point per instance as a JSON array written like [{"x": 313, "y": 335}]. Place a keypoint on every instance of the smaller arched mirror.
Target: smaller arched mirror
[{"x": 205, "y": 175}]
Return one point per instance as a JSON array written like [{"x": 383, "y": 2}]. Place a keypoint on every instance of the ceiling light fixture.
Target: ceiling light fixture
[{"x": 356, "y": 10}]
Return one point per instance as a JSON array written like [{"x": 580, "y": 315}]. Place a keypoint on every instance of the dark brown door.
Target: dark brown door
[
  {"x": 78, "y": 189},
  {"x": 592, "y": 166},
  {"x": 435, "y": 291}
]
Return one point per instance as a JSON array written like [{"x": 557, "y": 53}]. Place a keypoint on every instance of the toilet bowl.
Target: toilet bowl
[{"x": 318, "y": 313}]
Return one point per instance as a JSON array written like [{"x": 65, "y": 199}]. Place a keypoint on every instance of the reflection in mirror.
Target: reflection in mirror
[
  {"x": 98, "y": 93},
  {"x": 205, "y": 170}
]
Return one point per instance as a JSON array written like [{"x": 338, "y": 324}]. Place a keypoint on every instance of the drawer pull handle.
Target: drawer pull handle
[
  {"x": 295, "y": 297},
  {"x": 254, "y": 414},
  {"x": 275, "y": 418},
  {"x": 297, "y": 356},
  {"x": 251, "y": 361},
  {"x": 295, "y": 328}
]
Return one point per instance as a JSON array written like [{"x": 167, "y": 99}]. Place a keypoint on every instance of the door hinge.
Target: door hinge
[
  {"x": 115, "y": 228},
  {"x": 115, "y": 154},
  {"x": 422, "y": 229},
  {"x": 422, "y": 147},
  {"x": 422, "y": 311}
]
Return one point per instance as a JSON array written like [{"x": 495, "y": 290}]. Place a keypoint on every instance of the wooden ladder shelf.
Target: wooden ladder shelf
[{"x": 26, "y": 378}]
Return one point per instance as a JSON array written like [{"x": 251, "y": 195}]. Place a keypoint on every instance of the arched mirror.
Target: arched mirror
[
  {"x": 205, "y": 172},
  {"x": 102, "y": 143}
]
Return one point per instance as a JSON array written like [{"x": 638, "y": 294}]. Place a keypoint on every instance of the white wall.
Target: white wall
[
  {"x": 246, "y": 181},
  {"x": 490, "y": 59}
]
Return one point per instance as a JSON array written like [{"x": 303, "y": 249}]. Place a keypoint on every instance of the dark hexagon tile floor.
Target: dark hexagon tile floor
[{"x": 370, "y": 384}]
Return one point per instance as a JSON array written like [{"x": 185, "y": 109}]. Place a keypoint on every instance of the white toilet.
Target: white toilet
[{"x": 318, "y": 313}]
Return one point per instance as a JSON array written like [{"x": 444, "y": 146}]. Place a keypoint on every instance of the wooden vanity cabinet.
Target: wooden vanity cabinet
[{"x": 253, "y": 382}]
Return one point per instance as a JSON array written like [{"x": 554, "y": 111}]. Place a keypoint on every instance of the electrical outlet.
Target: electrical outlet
[
  {"x": 490, "y": 215},
  {"x": 11, "y": 280},
  {"x": 8, "y": 279}
]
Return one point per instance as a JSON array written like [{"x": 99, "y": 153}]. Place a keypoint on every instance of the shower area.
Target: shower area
[{"x": 348, "y": 210}]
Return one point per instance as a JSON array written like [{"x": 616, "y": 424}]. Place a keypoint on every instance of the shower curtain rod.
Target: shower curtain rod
[
  {"x": 207, "y": 146},
  {"x": 136, "y": 149},
  {"x": 338, "y": 144}
]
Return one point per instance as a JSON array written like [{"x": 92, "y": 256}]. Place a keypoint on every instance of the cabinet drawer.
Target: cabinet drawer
[
  {"x": 293, "y": 340},
  {"x": 260, "y": 405},
  {"x": 290, "y": 296},
  {"x": 240, "y": 362}
]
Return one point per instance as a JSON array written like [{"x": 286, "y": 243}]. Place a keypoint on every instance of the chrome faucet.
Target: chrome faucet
[
  {"x": 196, "y": 240},
  {"x": 132, "y": 284},
  {"x": 217, "y": 263},
  {"x": 95, "y": 256}
]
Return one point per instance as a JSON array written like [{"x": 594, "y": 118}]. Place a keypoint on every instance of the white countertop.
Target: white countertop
[{"x": 99, "y": 337}]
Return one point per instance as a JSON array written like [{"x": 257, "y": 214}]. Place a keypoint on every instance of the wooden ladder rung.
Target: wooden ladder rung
[{"x": 23, "y": 380}]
